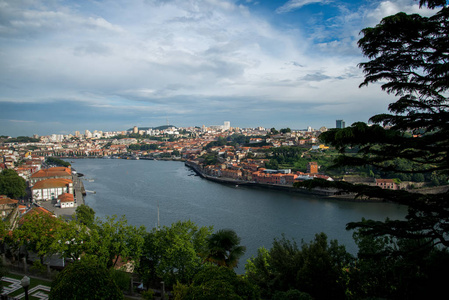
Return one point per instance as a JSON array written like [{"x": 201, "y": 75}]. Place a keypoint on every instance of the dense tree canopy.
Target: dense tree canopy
[
  {"x": 218, "y": 283},
  {"x": 85, "y": 215},
  {"x": 174, "y": 253},
  {"x": 315, "y": 268},
  {"x": 85, "y": 279},
  {"x": 38, "y": 232},
  {"x": 11, "y": 184},
  {"x": 113, "y": 239}
]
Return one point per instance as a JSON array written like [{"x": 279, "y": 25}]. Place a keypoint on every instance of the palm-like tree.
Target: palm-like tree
[{"x": 224, "y": 248}]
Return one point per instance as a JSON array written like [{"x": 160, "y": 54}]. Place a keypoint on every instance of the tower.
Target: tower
[{"x": 340, "y": 124}]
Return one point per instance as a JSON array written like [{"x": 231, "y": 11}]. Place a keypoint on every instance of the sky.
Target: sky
[{"x": 113, "y": 64}]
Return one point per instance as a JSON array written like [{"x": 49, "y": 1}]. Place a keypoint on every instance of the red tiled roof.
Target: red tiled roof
[
  {"x": 66, "y": 197},
  {"x": 51, "y": 183},
  {"x": 52, "y": 172}
]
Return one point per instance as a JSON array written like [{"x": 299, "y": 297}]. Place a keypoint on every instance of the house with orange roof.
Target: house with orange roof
[
  {"x": 51, "y": 189},
  {"x": 66, "y": 200},
  {"x": 51, "y": 173}
]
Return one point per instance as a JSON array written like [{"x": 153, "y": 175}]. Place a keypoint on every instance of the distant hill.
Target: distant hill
[{"x": 163, "y": 127}]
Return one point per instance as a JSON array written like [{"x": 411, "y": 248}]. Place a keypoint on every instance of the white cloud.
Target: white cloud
[
  {"x": 180, "y": 57},
  {"x": 296, "y": 4}
]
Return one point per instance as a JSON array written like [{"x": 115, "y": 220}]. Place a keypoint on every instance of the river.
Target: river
[{"x": 134, "y": 188}]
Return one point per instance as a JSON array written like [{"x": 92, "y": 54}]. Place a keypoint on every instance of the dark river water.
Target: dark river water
[{"x": 135, "y": 187}]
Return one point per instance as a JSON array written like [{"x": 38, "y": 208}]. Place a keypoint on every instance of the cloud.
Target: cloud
[
  {"x": 116, "y": 61},
  {"x": 296, "y": 4}
]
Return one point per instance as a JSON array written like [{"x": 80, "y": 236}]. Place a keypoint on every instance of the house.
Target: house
[
  {"x": 51, "y": 173},
  {"x": 51, "y": 189},
  {"x": 66, "y": 200},
  {"x": 386, "y": 184}
]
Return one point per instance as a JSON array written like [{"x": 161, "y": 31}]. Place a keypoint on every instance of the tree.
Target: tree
[
  {"x": 224, "y": 248},
  {"x": 408, "y": 56},
  {"x": 38, "y": 232},
  {"x": 85, "y": 215},
  {"x": 72, "y": 241},
  {"x": 84, "y": 279},
  {"x": 317, "y": 268},
  {"x": 405, "y": 273},
  {"x": 174, "y": 253},
  {"x": 285, "y": 130},
  {"x": 113, "y": 239},
  {"x": 56, "y": 161},
  {"x": 220, "y": 283},
  {"x": 11, "y": 184}
]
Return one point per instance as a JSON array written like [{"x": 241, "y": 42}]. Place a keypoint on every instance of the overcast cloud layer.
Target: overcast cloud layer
[{"x": 113, "y": 64}]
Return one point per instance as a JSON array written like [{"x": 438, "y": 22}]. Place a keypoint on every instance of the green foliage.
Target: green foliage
[
  {"x": 210, "y": 158},
  {"x": 72, "y": 241},
  {"x": 37, "y": 232},
  {"x": 221, "y": 141},
  {"x": 291, "y": 295},
  {"x": 173, "y": 253},
  {"x": 84, "y": 280},
  {"x": 56, "y": 161},
  {"x": 148, "y": 295},
  {"x": 11, "y": 184},
  {"x": 2, "y": 273},
  {"x": 121, "y": 278},
  {"x": 221, "y": 283},
  {"x": 22, "y": 139},
  {"x": 393, "y": 268},
  {"x": 224, "y": 248},
  {"x": 85, "y": 215},
  {"x": 315, "y": 268},
  {"x": 38, "y": 267},
  {"x": 113, "y": 239}
]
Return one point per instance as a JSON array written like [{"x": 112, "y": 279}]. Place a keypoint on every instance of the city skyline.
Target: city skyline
[{"x": 112, "y": 65}]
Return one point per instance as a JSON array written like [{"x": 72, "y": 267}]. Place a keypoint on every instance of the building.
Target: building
[
  {"x": 340, "y": 124},
  {"x": 51, "y": 189},
  {"x": 50, "y": 173},
  {"x": 386, "y": 184},
  {"x": 66, "y": 200},
  {"x": 312, "y": 167}
]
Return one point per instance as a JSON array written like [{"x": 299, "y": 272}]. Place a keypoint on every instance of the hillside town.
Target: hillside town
[{"x": 206, "y": 150}]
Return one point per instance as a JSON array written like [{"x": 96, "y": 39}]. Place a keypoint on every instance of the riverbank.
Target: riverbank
[{"x": 316, "y": 191}]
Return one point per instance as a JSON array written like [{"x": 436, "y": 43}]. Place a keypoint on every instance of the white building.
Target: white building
[{"x": 51, "y": 189}]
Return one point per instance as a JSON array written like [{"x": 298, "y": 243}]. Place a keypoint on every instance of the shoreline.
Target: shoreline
[
  {"x": 324, "y": 193},
  {"x": 330, "y": 194}
]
